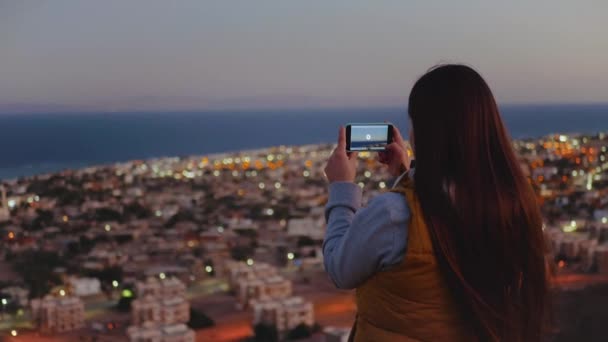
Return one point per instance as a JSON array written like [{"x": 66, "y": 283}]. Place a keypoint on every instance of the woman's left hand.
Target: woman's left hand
[{"x": 342, "y": 165}]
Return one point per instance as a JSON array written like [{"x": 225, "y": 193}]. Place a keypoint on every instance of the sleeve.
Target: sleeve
[{"x": 362, "y": 241}]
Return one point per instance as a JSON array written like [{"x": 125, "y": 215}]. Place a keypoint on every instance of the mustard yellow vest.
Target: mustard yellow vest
[{"x": 411, "y": 301}]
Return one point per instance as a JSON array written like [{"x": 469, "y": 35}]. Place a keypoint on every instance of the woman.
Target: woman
[{"x": 454, "y": 252}]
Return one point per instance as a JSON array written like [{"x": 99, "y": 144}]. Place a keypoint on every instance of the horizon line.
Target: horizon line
[{"x": 267, "y": 108}]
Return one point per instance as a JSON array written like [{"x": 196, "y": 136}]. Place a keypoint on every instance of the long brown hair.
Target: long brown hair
[{"x": 481, "y": 210}]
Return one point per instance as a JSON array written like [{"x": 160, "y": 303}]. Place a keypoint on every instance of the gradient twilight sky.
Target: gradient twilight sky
[{"x": 194, "y": 54}]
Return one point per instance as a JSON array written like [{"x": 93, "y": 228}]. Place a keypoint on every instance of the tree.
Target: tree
[
  {"x": 36, "y": 269},
  {"x": 299, "y": 332},
  {"x": 241, "y": 253},
  {"x": 199, "y": 320},
  {"x": 124, "y": 304},
  {"x": 265, "y": 333}
]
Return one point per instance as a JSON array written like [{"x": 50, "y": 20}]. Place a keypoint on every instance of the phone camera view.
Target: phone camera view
[{"x": 368, "y": 137}]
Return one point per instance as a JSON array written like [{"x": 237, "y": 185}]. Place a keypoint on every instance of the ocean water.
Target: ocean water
[{"x": 42, "y": 143}]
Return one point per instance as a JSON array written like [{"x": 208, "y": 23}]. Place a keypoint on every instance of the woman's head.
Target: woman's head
[{"x": 482, "y": 212}]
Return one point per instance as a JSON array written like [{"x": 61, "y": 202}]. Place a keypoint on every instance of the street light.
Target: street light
[
  {"x": 13, "y": 333},
  {"x": 4, "y": 302}
]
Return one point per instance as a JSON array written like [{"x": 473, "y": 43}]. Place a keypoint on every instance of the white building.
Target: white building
[
  {"x": 314, "y": 229},
  {"x": 601, "y": 256},
  {"x": 240, "y": 271},
  {"x": 5, "y": 213},
  {"x": 151, "y": 332},
  {"x": 162, "y": 288},
  {"x": 263, "y": 289},
  {"x": 336, "y": 334},
  {"x": 58, "y": 314},
  {"x": 18, "y": 294},
  {"x": 285, "y": 314},
  {"x": 83, "y": 287},
  {"x": 170, "y": 310}
]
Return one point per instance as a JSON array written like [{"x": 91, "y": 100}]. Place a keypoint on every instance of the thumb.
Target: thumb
[{"x": 342, "y": 138}]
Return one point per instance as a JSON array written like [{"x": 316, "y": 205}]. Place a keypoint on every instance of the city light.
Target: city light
[
  {"x": 367, "y": 174},
  {"x": 570, "y": 228},
  {"x": 158, "y": 213},
  {"x": 12, "y": 203},
  {"x": 65, "y": 218},
  {"x": 249, "y": 261},
  {"x": 107, "y": 228},
  {"x": 220, "y": 229},
  {"x": 11, "y": 235},
  {"x": 574, "y": 173},
  {"x": 162, "y": 276},
  {"x": 4, "y": 301},
  {"x": 382, "y": 185},
  {"x": 114, "y": 283},
  {"x": 261, "y": 185},
  {"x": 269, "y": 211},
  {"x": 306, "y": 173},
  {"x": 127, "y": 293},
  {"x": 216, "y": 173},
  {"x": 277, "y": 185},
  {"x": 62, "y": 293},
  {"x": 14, "y": 333},
  {"x": 604, "y": 219},
  {"x": 361, "y": 185},
  {"x": 208, "y": 269},
  {"x": 290, "y": 256}
]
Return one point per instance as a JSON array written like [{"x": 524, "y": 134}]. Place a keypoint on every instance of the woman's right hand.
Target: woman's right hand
[{"x": 396, "y": 156}]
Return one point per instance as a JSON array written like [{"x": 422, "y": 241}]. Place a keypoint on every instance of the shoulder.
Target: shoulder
[{"x": 392, "y": 204}]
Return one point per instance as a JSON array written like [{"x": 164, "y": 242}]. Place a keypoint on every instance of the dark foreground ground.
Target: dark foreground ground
[{"x": 582, "y": 315}]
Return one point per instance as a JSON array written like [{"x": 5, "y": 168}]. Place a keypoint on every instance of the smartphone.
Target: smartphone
[{"x": 368, "y": 136}]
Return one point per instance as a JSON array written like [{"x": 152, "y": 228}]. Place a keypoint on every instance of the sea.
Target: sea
[{"x": 41, "y": 143}]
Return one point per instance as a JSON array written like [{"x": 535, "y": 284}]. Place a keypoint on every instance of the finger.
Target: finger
[
  {"x": 342, "y": 138},
  {"x": 397, "y": 135},
  {"x": 394, "y": 147},
  {"x": 352, "y": 155},
  {"x": 382, "y": 157}
]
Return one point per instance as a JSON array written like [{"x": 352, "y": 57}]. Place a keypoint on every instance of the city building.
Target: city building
[
  {"x": 263, "y": 289},
  {"x": 152, "y": 332},
  {"x": 601, "y": 256},
  {"x": 161, "y": 288},
  {"x": 336, "y": 334},
  {"x": 58, "y": 314},
  {"x": 240, "y": 271},
  {"x": 285, "y": 314},
  {"x": 314, "y": 229},
  {"x": 18, "y": 294},
  {"x": 84, "y": 286},
  {"x": 169, "y": 310},
  {"x": 5, "y": 213}
]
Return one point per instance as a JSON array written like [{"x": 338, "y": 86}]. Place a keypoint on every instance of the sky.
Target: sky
[
  {"x": 377, "y": 133},
  {"x": 117, "y": 55}
]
